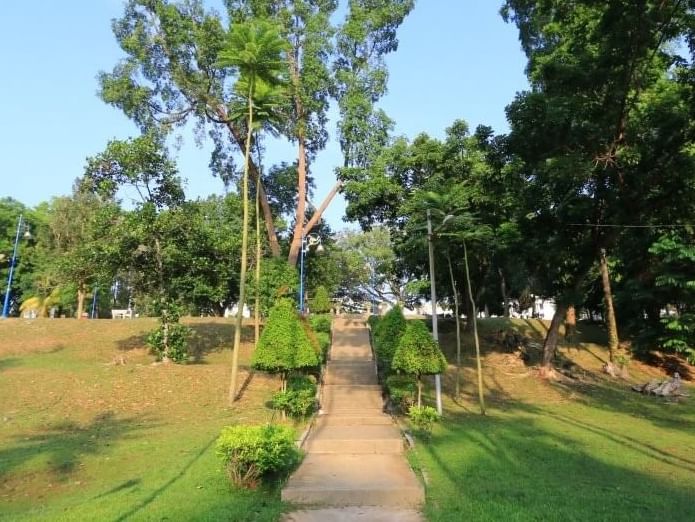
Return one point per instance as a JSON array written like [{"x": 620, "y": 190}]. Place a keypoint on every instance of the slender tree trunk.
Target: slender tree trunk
[
  {"x": 481, "y": 397},
  {"x": 81, "y": 296},
  {"x": 419, "y": 391},
  {"x": 469, "y": 307},
  {"x": 244, "y": 252},
  {"x": 301, "y": 202},
  {"x": 255, "y": 173},
  {"x": 503, "y": 290},
  {"x": 257, "y": 305},
  {"x": 316, "y": 217},
  {"x": 551, "y": 339},
  {"x": 165, "y": 338},
  {"x": 457, "y": 315},
  {"x": 612, "y": 325}
]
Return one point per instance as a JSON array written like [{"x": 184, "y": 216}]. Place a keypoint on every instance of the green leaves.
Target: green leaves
[{"x": 417, "y": 353}]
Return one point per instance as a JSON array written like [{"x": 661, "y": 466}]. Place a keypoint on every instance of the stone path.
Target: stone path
[{"x": 354, "y": 468}]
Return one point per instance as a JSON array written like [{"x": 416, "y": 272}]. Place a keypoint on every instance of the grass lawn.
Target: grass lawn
[
  {"x": 90, "y": 429},
  {"x": 584, "y": 449}
]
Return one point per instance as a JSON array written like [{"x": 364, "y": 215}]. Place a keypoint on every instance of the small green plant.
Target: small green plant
[
  {"x": 402, "y": 389},
  {"x": 418, "y": 354},
  {"x": 321, "y": 323},
  {"x": 253, "y": 453},
  {"x": 321, "y": 303},
  {"x": 299, "y": 400},
  {"x": 170, "y": 340},
  {"x": 423, "y": 418},
  {"x": 373, "y": 321}
]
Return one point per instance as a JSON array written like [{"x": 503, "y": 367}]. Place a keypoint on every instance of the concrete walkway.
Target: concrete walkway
[{"x": 354, "y": 468}]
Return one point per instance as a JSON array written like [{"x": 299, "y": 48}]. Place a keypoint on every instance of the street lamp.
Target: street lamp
[
  {"x": 433, "y": 299},
  {"x": 21, "y": 226},
  {"x": 308, "y": 242}
]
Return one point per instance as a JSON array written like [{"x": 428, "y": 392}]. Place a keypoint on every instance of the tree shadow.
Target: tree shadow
[
  {"x": 63, "y": 444},
  {"x": 134, "y": 342},
  {"x": 10, "y": 362},
  {"x": 211, "y": 337},
  {"x": 497, "y": 468}
]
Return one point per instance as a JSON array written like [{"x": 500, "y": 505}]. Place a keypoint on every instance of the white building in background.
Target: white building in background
[{"x": 231, "y": 312}]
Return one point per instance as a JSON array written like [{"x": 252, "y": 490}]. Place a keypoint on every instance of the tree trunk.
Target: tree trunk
[
  {"x": 570, "y": 324},
  {"x": 612, "y": 325},
  {"x": 551, "y": 338},
  {"x": 419, "y": 391},
  {"x": 503, "y": 290},
  {"x": 257, "y": 305},
  {"x": 458, "y": 327},
  {"x": 244, "y": 252},
  {"x": 469, "y": 308},
  {"x": 81, "y": 296},
  {"x": 301, "y": 202},
  {"x": 474, "y": 320},
  {"x": 255, "y": 172},
  {"x": 165, "y": 337}
]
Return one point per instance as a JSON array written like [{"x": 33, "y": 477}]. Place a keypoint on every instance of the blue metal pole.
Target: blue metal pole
[
  {"x": 94, "y": 301},
  {"x": 6, "y": 305},
  {"x": 301, "y": 277}
]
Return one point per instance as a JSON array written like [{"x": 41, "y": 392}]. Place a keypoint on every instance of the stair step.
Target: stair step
[
  {"x": 355, "y": 439},
  {"x": 352, "y": 480},
  {"x": 360, "y": 418}
]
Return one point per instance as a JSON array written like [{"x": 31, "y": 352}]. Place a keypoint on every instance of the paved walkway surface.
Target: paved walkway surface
[{"x": 354, "y": 468}]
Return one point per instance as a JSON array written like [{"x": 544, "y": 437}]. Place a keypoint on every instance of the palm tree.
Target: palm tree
[{"x": 255, "y": 48}]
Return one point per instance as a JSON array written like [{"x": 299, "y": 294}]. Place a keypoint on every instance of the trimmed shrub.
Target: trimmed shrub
[
  {"x": 324, "y": 340},
  {"x": 170, "y": 339},
  {"x": 299, "y": 400},
  {"x": 321, "y": 303},
  {"x": 402, "y": 389},
  {"x": 278, "y": 280},
  {"x": 373, "y": 321},
  {"x": 321, "y": 323},
  {"x": 254, "y": 453},
  {"x": 418, "y": 354},
  {"x": 285, "y": 345},
  {"x": 387, "y": 335},
  {"x": 423, "y": 418}
]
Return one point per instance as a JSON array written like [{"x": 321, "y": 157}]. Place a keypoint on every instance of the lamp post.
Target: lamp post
[
  {"x": 20, "y": 226},
  {"x": 433, "y": 299},
  {"x": 308, "y": 242}
]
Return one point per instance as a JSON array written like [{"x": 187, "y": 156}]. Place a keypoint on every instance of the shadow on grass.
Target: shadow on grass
[
  {"x": 9, "y": 362},
  {"x": 150, "y": 498},
  {"x": 498, "y": 468},
  {"x": 63, "y": 444}
]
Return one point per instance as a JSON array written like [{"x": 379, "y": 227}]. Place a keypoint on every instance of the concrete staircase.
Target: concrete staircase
[{"x": 354, "y": 452}]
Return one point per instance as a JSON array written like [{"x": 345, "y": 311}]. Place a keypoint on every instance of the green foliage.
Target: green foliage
[
  {"x": 402, "y": 389},
  {"x": 423, "y": 418},
  {"x": 284, "y": 344},
  {"x": 324, "y": 340},
  {"x": 299, "y": 399},
  {"x": 278, "y": 279},
  {"x": 252, "y": 453},
  {"x": 170, "y": 339},
  {"x": 373, "y": 322},
  {"x": 321, "y": 302},
  {"x": 387, "y": 335},
  {"x": 417, "y": 353},
  {"x": 321, "y": 323}
]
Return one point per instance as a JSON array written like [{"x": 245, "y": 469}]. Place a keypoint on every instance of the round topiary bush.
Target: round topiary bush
[
  {"x": 285, "y": 345},
  {"x": 321, "y": 303},
  {"x": 418, "y": 354}
]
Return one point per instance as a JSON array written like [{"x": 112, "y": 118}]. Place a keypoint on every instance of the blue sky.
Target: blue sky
[{"x": 456, "y": 59}]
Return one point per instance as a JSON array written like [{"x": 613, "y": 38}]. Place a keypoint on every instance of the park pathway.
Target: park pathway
[{"x": 354, "y": 468}]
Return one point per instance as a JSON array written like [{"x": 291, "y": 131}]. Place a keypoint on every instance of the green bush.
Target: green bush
[
  {"x": 321, "y": 303},
  {"x": 402, "y": 390},
  {"x": 253, "y": 453},
  {"x": 386, "y": 336},
  {"x": 418, "y": 354},
  {"x": 324, "y": 340},
  {"x": 373, "y": 321},
  {"x": 423, "y": 418},
  {"x": 170, "y": 339},
  {"x": 278, "y": 280},
  {"x": 299, "y": 400},
  {"x": 285, "y": 344},
  {"x": 321, "y": 323}
]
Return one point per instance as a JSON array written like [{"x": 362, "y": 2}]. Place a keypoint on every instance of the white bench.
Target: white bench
[{"x": 121, "y": 314}]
